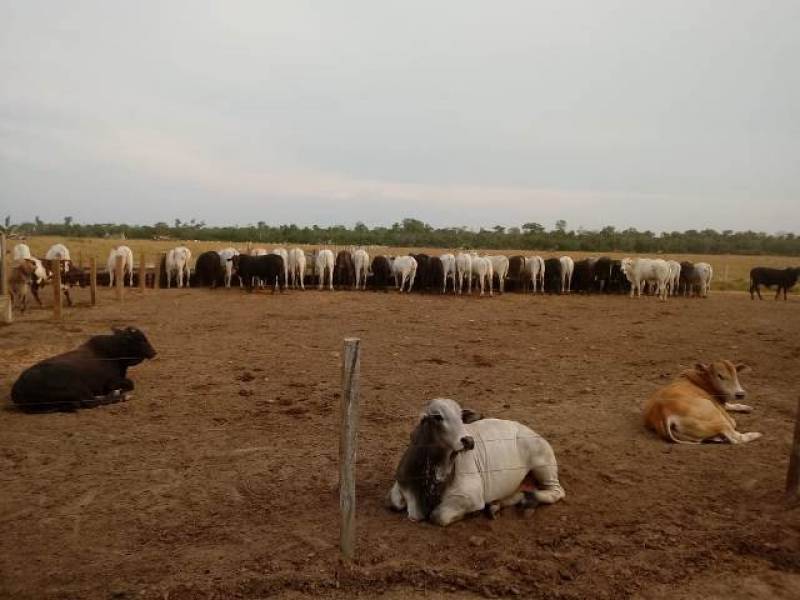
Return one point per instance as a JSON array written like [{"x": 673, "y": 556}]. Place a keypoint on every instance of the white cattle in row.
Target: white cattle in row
[
  {"x": 482, "y": 269},
  {"x": 225, "y": 256},
  {"x": 59, "y": 252},
  {"x": 361, "y": 265},
  {"x": 449, "y": 268},
  {"x": 500, "y": 268},
  {"x": 464, "y": 271},
  {"x": 177, "y": 264},
  {"x": 674, "y": 277},
  {"x": 21, "y": 252},
  {"x": 404, "y": 269},
  {"x": 324, "y": 265},
  {"x": 534, "y": 268},
  {"x": 127, "y": 264},
  {"x": 285, "y": 256},
  {"x": 297, "y": 267},
  {"x": 259, "y": 252},
  {"x": 641, "y": 270},
  {"x": 567, "y": 267},
  {"x": 703, "y": 274}
]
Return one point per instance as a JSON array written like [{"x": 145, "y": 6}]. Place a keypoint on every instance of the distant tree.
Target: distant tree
[
  {"x": 561, "y": 226},
  {"x": 533, "y": 228},
  {"x": 67, "y": 222}
]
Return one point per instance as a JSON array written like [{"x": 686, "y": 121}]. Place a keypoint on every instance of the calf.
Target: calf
[
  {"x": 457, "y": 464},
  {"x": 92, "y": 374},
  {"x": 783, "y": 279},
  {"x": 268, "y": 268},
  {"x": 694, "y": 408}
]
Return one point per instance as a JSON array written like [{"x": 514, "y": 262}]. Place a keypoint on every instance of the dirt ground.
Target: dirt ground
[{"x": 219, "y": 479}]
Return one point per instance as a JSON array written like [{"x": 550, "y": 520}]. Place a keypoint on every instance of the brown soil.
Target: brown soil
[{"x": 219, "y": 479}]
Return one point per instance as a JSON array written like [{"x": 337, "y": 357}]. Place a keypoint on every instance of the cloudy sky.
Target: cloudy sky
[{"x": 665, "y": 115}]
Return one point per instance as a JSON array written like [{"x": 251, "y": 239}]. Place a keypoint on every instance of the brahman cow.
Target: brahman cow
[
  {"x": 483, "y": 271},
  {"x": 458, "y": 463},
  {"x": 177, "y": 263},
  {"x": 285, "y": 256},
  {"x": 404, "y": 269},
  {"x": 567, "y": 266},
  {"x": 297, "y": 267},
  {"x": 361, "y": 267},
  {"x": 324, "y": 264},
  {"x": 500, "y": 266},
  {"x": 784, "y": 279},
  {"x": 464, "y": 271},
  {"x": 94, "y": 373},
  {"x": 696, "y": 278},
  {"x": 641, "y": 270},
  {"x": 225, "y": 256},
  {"x": 535, "y": 269},
  {"x": 694, "y": 407},
  {"x": 127, "y": 264},
  {"x": 268, "y": 268},
  {"x": 449, "y": 268},
  {"x": 674, "y": 279}
]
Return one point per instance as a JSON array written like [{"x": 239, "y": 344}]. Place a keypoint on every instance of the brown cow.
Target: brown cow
[
  {"x": 20, "y": 283},
  {"x": 694, "y": 408}
]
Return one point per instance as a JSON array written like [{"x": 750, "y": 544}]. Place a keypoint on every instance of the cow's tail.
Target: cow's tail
[{"x": 669, "y": 423}]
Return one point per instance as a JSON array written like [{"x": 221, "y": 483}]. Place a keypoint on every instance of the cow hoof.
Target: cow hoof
[
  {"x": 490, "y": 511},
  {"x": 126, "y": 397},
  {"x": 529, "y": 501}
]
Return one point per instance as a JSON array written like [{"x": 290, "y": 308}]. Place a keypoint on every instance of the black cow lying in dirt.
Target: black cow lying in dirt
[{"x": 91, "y": 375}]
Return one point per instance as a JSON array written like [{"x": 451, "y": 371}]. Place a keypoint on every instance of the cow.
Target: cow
[
  {"x": 464, "y": 271},
  {"x": 285, "y": 256},
  {"x": 95, "y": 373},
  {"x": 641, "y": 270},
  {"x": 224, "y": 260},
  {"x": 323, "y": 264},
  {"x": 19, "y": 283},
  {"x": 696, "y": 278},
  {"x": 552, "y": 279},
  {"x": 500, "y": 266},
  {"x": 694, "y": 407},
  {"x": 268, "y": 268},
  {"x": 59, "y": 252},
  {"x": 449, "y": 268},
  {"x": 127, "y": 264},
  {"x": 177, "y": 264},
  {"x": 482, "y": 269},
  {"x": 535, "y": 269},
  {"x": 674, "y": 277},
  {"x": 434, "y": 278},
  {"x": 783, "y": 279},
  {"x": 583, "y": 275},
  {"x": 381, "y": 273},
  {"x": 421, "y": 276},
  {"x": 208, "y": 271},
  {"x": 21, "y": 252},
  {"x": 361, "y": 267},
  {"x": 297, "y": 267},
  {"x": 404, "y": 269},
  {"x": 344, "y": 271},
  {"x": 516, "y": 272},
  {"x": 567, "y": 266},
  {"x": 457, "y": 464}
]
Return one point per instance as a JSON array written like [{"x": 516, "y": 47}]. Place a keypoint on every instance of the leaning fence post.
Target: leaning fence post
[
  {"x": 57, "y": 292},
  {"x": 793, "y": 474},
  {"x": 348, "y": 440},
  {"x": 157, "y": 279},
  {"x": 93, "y": 280},
  {"x": 119, "y": 273},
  {"x": 6, "y": 311},
  {"x": 142, "y": 272}
]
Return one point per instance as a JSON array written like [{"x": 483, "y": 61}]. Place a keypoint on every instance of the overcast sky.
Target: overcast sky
[{"x": 658, "y": 115}]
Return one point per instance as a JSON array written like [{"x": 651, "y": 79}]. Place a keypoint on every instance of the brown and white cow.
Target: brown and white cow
[{"x": 694, "y": 407}]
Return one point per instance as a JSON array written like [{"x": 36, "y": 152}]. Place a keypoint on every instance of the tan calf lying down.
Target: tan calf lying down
[{"x": 694, "y": 408}]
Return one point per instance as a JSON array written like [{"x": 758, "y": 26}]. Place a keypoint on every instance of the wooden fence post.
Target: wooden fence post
[
  {"x": 157, "y": 280},
  {"x": 142, "y": 271},
  {"x": 348, "y": 442},
  {"x": 57, "y": 293},
  {"x": 6, "y": 312},
  {"x": 93, "y": 280},
  {"x": 119, "y": 273},
  {"x": 793, "y": 475}
]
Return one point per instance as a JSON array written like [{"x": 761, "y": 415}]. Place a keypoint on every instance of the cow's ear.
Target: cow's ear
[
  {"x": 701, "y": 367},
  {"x": 742, "y": 368},
  {"x": 470, "y": 416}
]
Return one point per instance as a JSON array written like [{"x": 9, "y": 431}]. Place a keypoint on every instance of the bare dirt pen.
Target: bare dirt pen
[
  {"x": 218, "y": 480},
  {"x": 731, "y": 272}
]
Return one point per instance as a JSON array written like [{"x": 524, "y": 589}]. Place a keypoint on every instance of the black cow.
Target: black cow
[
  {"x": 617, "y": 281},
  {"x": 423, "y": 272},
  {"x": 208, "y": 270},
  {"x": 552, "y": 276},
  {"x": 583, "y": 275},
  {"x": 515, "y": 279},
  {"x": 268, "y": 268},
  {"x": 434, "y": 281},
  {"x": 91, "y": 375},
  {"x": 686, "y": 279},
  {"x": 382, "y": 277},
  {"x": 784, "y": 279},
  {"x": 344, "y": 270}
]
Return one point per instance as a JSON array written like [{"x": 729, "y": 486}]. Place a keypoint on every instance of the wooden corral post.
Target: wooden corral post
[
  {"x": 157, "y": 280},
  {"x": 93, "y": 280},
  {"x": 142, "y": 271},
  {"x": 119, "y": 273},
  {"x": 57, "y": 293},
  {"x": 725, "y": 275},
  {"x": 6, "y": 313},
  {"x": 793, "y": 475},
  {"x": 348, "y": 440}
]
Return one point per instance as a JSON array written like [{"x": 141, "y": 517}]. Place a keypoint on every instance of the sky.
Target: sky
[{"x": 661, "y": 115}]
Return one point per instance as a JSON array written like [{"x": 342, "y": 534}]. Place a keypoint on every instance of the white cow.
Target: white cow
[
  {"x": 259, "y": 252},
  {"x": 482, "y": 269},
  {"x": 177, "y": 263},
  {"x": 703, "y": 273},
  {"x": 297, "y": 267},
  {"x": 457, "y": 464},
  {"x": 21, "y": 252},
  {"x": 464, "y": 271},
  {"x": 534, "y": 267},
  {"x": 674, "y": 277},
  {"x": 404, "y": 268},
  {"x": 127, "y": 264},
  {"x": 500, "y": 268},
  {"x": 449, "y": 268},
  {"x": 361, "y": 264},
  {"x": 323, "y": 264},
  {"x": 285, "y": 256},
  {"x": 59, "y": 252},
  {"x": 641, "y": 270},
  {"x": 225, "y": 256},
  {"x": 567, "y": 267}
]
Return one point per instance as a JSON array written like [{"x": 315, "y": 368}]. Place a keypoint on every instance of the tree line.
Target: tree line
[{"x": 413, "y": 232}]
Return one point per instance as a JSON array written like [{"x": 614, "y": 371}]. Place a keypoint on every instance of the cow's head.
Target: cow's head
[
  {"x": 444, "y": 421},
  {"x": 722, "y": 379},
  {"x": 134, "y": 345}
]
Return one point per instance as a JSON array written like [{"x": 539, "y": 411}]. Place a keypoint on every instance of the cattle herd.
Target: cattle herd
[{"x": 461, "y": 273}]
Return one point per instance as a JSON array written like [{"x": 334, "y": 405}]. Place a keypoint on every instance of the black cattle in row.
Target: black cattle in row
[
  {"x": 422, "y": 276},
  {"x": 92, "y": 374},
  {"x": 382, "y": 278},
  {"x": 783, "y": 279},
  {"x": 434, "y": 281},
  {"x": 344, "y": 270},
  {"x": 267, "y": 268},
  {"x": 686, "y": 279},
  {"x": 617, "y": 281},
  {"x": 583, "y": 276},
  {"x": 515, "y": 279},
  {"x": 552, "y": 276},
  {"x": 208, "y": 270}
]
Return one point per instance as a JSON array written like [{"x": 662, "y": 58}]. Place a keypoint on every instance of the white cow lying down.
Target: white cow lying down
[{"x": 458, "y": 463}]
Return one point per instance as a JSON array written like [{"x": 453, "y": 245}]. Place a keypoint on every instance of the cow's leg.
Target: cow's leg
[
  {"x": 778, "y": 294},
  {"x": 395, "y": 499},
  {"x": 66, "y": 295},
  {"x": 734, "y": 437},
  {"x": 738, "y": 407},
  {"x": 451, "y": 510}
]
